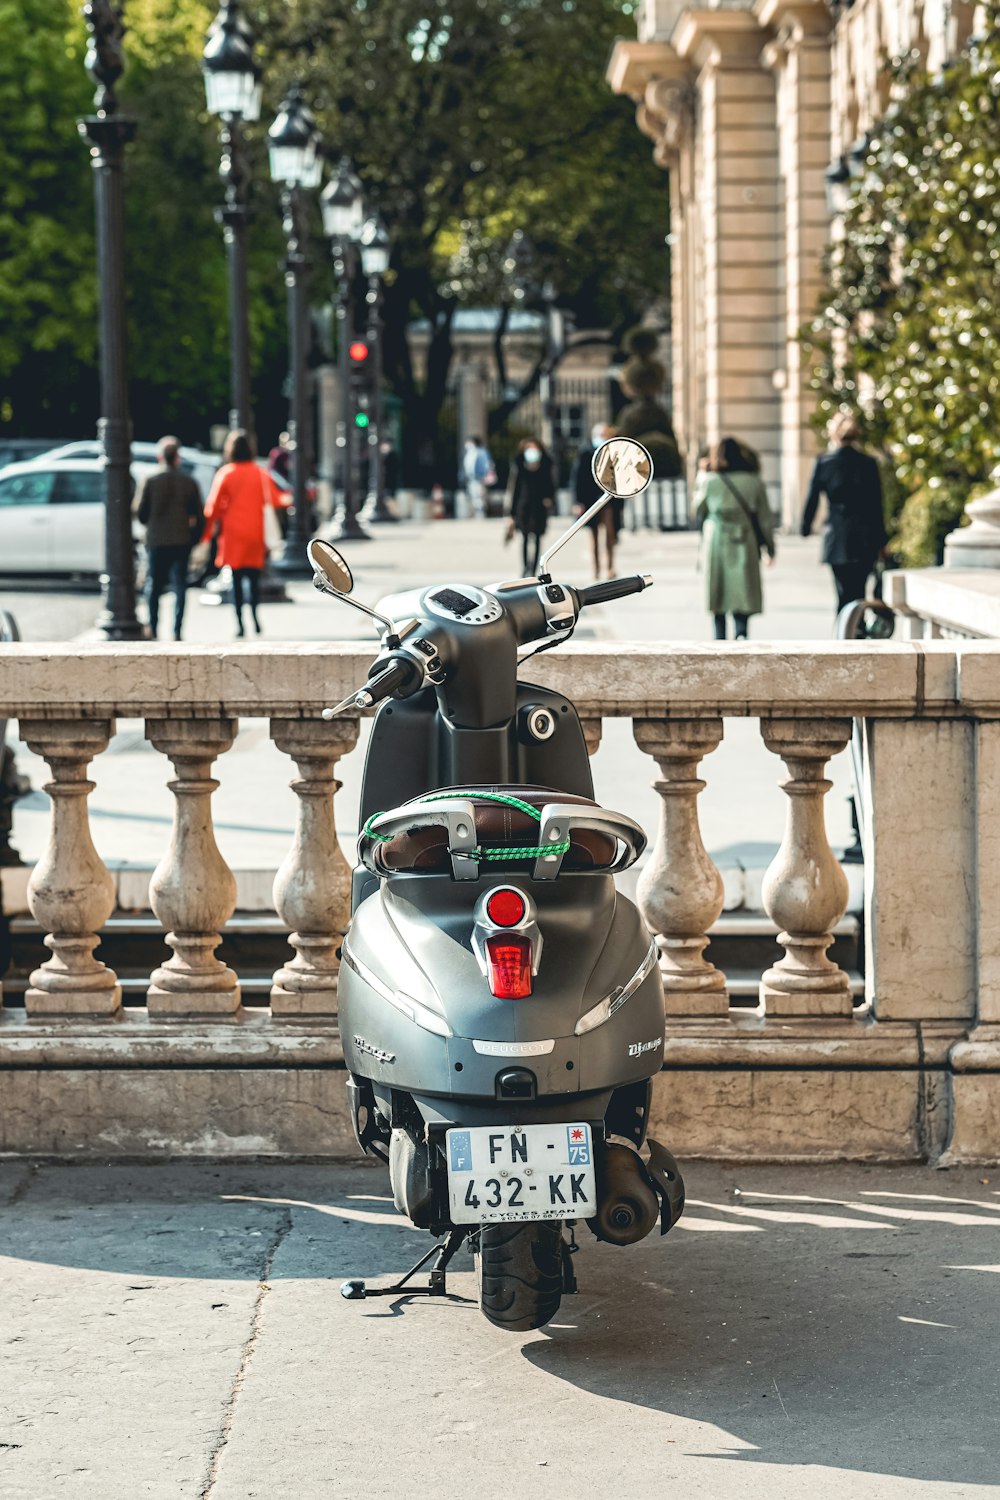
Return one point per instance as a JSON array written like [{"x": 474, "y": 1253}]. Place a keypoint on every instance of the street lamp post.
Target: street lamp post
[
  {"x": 109, "y": 133},
  {"x": 375, "y": 251},
  {"x": 232, "y": 90},
  {"x": 293, "y": 146},
  {"x": 342, "y": 205}
]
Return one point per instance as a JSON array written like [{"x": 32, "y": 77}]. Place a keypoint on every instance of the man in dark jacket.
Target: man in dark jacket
[
  {"x": 169, "y": 505},
  {"x": 855, "y": 532}
]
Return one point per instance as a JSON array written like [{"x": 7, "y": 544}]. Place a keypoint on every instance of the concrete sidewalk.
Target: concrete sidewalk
[
  {"x": 742, "y": 810},
  {"x": 176, "y": 1332}
]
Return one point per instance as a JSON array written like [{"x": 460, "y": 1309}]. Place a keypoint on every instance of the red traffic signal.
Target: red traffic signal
[{"x": 358, "y": 351}]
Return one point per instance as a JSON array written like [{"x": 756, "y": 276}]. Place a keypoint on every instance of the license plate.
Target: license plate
[{"x": 501, "y": 1174}]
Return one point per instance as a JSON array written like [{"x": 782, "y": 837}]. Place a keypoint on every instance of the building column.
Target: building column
[
  {"x": 736, "y": 165},
  {"x": 799, "y": 56}
]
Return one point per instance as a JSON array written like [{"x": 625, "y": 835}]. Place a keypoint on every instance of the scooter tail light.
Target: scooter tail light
[{"x": 508, "y": 967}]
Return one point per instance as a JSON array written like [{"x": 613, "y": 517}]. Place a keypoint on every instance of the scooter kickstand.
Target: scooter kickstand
[{"x": 357, "y": 1290}]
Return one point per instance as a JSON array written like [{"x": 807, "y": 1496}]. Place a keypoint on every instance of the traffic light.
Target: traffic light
[{"x": 361, "y": 374}]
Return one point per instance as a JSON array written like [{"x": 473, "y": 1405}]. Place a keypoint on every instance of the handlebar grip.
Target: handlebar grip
[
  {"x": 613, "y": 588},
  {"x": 400, "y": 673}
]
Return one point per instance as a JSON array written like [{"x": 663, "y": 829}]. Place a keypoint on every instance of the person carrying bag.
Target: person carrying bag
[{"x": 735, "y": 514}]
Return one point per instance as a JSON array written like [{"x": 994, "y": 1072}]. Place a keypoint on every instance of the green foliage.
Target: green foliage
[
  {"x": 48, "y": 330},
  {"x": 465, "y": 120},
  {"x": 908, "y": 330},
  {"x": 925, "y": 520}
]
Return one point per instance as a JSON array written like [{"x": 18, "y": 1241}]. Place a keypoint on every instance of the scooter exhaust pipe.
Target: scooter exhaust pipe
[{"x": 627, "y": 1204}]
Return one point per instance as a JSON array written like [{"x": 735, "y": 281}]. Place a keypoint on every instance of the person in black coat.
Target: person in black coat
[
  {"x": 531, "y": 498},
  {"x": 855, "y": 533}
]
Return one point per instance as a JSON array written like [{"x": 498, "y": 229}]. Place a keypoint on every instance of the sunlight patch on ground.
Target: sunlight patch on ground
[
  {"x": 716, "y": 1226},
  {"x": 786, "y": 1216}
]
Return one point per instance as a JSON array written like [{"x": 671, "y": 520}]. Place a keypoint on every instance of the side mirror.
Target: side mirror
[
  {"x": 622, "y": 467},
  {"x": 329, "y": 567}
]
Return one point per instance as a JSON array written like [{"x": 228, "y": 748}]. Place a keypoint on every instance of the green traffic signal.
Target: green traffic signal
[{"x": 361, "y": 419}]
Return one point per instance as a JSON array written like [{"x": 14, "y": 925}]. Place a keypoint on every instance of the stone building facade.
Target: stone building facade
[{"x": 750, "y": 106}]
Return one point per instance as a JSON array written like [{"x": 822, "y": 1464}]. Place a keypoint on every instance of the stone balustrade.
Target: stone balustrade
[{"x": 909, "y": 1070}]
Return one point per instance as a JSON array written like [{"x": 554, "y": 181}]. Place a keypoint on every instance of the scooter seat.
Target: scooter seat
[{"x": 498, "y": 824}]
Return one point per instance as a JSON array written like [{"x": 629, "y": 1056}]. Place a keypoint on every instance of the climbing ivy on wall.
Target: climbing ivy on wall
[{"x": 907, "y": 331}]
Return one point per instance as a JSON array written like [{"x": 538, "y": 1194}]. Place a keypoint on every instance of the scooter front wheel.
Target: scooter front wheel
[{"x": 519, "y": 1268}]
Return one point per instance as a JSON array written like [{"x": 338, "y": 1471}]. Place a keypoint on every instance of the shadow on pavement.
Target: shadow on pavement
[{"x": 841, "y": 1317}]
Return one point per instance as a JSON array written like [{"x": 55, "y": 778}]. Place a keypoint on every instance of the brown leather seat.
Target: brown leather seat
[{"x": 498, "y": 825}]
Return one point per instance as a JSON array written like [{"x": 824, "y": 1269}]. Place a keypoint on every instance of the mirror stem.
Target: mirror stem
[
  {"x": 325, "y": 587},
  {"x": 570, "y": 531}
]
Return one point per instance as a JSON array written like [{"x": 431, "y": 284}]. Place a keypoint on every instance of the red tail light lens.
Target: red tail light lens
[
  {"x": 508, "y": 967},
  {"x": 506, "y": 908}
]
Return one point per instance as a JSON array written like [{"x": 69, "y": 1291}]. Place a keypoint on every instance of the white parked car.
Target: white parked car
[
  {"x": 52, "y": 516},
  {"x": 194, "y": 461}
]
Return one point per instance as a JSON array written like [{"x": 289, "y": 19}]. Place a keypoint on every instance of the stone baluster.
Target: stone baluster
[
  {"x": 312, "y": 889},
  {"x": 592, "y": 730},
  {"x": 680, "y": 891},
  {"x": 71, "y": 893},
  {"x": 805, "y": 891},
  {"x": 193, "y": 890}
]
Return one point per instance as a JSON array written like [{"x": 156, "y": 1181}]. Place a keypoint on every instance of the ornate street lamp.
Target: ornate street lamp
[
  {"x": 343, "y": 208},
  {"x": 375, "y": 252},
  {"x": 293, "y": 143},
  {"x": 232, "y": 90},
  {"x": 109, "y": 133}
]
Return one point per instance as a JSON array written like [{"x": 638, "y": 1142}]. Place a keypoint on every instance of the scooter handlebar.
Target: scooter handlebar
[{"x": 613, "y": 588}]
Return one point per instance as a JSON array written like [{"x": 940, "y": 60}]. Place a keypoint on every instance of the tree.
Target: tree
[
  {"x": 467, "y": 119},
  {"x": 908, "y": 330},
  {"x": 48, "y": 333}
]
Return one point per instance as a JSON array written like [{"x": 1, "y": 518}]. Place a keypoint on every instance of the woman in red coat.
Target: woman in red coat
[{"x": 235, "y": 508}]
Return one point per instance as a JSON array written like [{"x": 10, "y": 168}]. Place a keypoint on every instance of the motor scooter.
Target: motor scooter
[{"x": 500, "y": 1001}]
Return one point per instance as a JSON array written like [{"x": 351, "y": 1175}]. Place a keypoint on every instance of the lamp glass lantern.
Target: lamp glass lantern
[
  {"x": 292, "y": 143},
  {"x": 375, "y": 247},
  {"x": 342, "y": 205},
  {"x": 232, "y": 79}
]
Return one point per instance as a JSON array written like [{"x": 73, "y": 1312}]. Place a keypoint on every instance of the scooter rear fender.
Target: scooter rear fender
[{"x": 410, "y": 946}]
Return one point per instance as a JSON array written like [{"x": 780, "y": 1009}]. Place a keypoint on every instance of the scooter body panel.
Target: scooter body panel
[{"x": 412, "y": 941}]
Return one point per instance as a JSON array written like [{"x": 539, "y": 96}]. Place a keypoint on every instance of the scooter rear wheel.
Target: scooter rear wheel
[{"x": 519, "y": 1267}]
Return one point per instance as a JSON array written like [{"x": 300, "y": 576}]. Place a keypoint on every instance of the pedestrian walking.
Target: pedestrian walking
[
  {"x": 240, "y": 494},
  {"x": 854, "y": 535},
  {"x": 477, "y": 473},
  {"x": 735, "y": 515},
  {"x": 168, "y": 504},
  {"x": 279, "y": 460},
  {"x": 608, "y": 522},
  {"x": 530, "y": 499}
]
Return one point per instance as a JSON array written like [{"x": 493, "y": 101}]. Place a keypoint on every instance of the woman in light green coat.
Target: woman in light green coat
[{"x": 730, "y": 496}]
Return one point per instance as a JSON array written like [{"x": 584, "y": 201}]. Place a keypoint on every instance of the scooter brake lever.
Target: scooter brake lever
[{"x": 355, "y": 700}]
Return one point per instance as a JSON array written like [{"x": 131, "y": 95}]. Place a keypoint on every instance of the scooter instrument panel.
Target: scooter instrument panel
[{"x": 465, "y": 603}]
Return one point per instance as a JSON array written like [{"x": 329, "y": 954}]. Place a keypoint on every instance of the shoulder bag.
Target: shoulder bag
[{"x": 758, "y": 529}]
